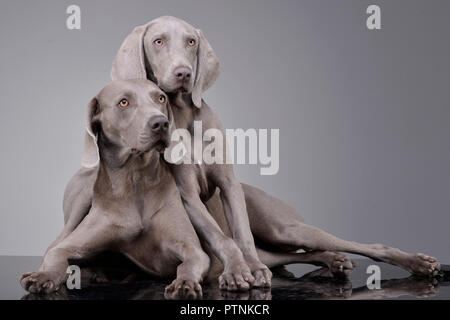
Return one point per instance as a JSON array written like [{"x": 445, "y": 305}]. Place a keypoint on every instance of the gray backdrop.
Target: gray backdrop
[{"x": 363, "y": 115}]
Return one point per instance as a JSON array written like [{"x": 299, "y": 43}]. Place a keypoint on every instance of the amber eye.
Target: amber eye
[
  {"x": 158, "y": 42},
  {"x": 162, "y": 99},
  {"x": 191, "y": 42},
  {"x": 124, "y": 103}
]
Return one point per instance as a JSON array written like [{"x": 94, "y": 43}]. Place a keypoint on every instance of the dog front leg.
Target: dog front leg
[
  {"x": 236, "y": 274},
  {"x": 190, "y": 274},
  {"x": 93, "y": 235},
  {"x": 233, "y": 201}
]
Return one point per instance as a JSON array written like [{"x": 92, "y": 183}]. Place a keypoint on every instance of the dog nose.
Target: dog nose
[
  {"x": 182, "y": 73},
  {"x": 159, "y": 124}
]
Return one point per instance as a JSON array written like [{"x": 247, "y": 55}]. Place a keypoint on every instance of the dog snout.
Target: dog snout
[
  {"x": 182, "y": 73},
  {"x": 159, "y": 124}
]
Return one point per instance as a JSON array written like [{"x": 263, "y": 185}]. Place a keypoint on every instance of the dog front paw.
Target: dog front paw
[
  {"x": 183, "y": 289},
  {"x": 236, "y": 277},
  {"x": 262, "y": 274},
  {"x": 41, "y": 281}
]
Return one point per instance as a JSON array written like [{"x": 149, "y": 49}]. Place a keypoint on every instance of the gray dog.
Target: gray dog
[
  {"x": 165, "y": 51},
  {"x": 136, "y": 207},
  {"x": 175, "y": 47}
]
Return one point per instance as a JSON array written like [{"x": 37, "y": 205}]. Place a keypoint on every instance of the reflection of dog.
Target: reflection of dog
[{"x": 310, "y": 286}]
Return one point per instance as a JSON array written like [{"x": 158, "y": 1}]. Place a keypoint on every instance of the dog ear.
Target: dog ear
[
  {"x": 170, "y": 117},
  {"x": 91, "y": 155},
  {"x": 208, "y": 69},
  {"x": 130, "y": 61},
  {"x": 170, "y": 155}
]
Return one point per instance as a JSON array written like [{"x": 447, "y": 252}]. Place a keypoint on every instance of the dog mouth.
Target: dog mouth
[
  {"x": 183, "y": 86},
  {"x": 159, "y": 145},
  {"x": 182, "y": 89}
]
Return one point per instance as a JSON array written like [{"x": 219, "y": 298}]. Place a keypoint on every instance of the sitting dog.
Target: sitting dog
[{"x": 182, "y": 62}]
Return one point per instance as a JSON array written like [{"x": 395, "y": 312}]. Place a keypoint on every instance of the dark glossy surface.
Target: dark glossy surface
[{"x": 295, "y": 282}]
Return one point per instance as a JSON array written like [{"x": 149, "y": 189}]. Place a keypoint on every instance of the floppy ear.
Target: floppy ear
[
  {"x": 130, "y": 61},
  {"x": 91, "y": 155},
  {"x": 208, "y": 69},
  {"x": 170, "y": 117},
  {"x": 169, "y": 155}
]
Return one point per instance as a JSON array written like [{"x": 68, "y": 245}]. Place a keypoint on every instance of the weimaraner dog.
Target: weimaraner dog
[
  {"x": 169, "y": 51},
  {"x": 136, "y": 206},
  {"x": 165, "y": 50},
  {"x": 164, "y": 40}
]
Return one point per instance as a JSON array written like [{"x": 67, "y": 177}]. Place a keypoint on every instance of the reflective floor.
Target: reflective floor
[{"x": 293, "y": 282}]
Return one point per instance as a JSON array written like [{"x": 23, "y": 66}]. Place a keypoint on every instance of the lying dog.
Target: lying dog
[{"x": 136, "y": 207}]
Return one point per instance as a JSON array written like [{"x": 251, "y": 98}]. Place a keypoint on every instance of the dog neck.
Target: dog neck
[
  {"x": 183, "y": 109},
  {"x": 181, "y": 99},
  {"x": 123, "y": 175}
]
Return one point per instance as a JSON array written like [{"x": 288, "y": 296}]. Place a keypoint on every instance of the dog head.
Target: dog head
[
  {"x": 130, "y": 117},
  {"x": 170, "y": 52}
]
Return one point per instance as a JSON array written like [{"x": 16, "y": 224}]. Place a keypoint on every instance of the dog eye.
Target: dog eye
[
  {"x": 191, "y": 42},
  {"x": 124, "y": 103},
  {"x": 158, "y": 42},
  {"x": 162, "y": 99}
]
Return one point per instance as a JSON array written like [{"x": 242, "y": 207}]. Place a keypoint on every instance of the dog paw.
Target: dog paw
[
  {"x": 183, "y": 289},
  {"x": 338, "y": 264},
  {"x": 41, "y": 282},
  {"x": 236, "y": 277},
  {"x": 422, "y": 265},
  {"x": 341, "y": 266},
  {"x": 262, "y": 274}
]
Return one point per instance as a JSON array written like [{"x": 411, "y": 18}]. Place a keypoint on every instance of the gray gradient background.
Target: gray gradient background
[{"x": 363, "y": 115}]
